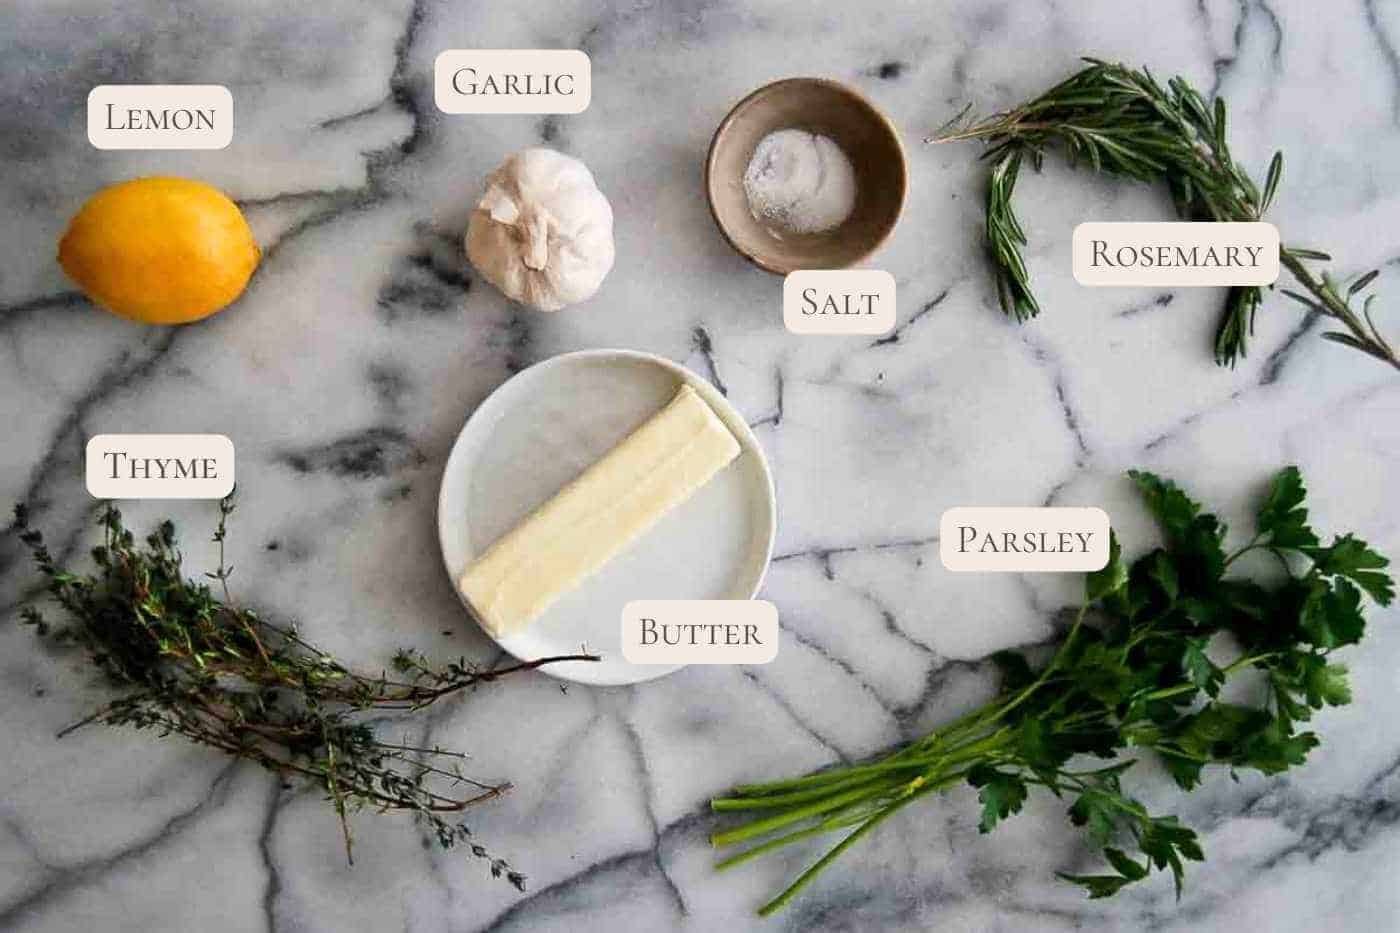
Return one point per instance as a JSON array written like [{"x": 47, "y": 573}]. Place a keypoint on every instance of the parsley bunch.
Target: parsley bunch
[
  {"x": 186, "y": 660},
  {"x": 1141, "y": 669}
]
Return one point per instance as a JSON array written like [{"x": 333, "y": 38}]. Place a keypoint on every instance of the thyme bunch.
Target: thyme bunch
[
  {"x": 188, "y": 661},
  {"x": 1140, "y": 671},
  {"x": 1122, "y": 122}
]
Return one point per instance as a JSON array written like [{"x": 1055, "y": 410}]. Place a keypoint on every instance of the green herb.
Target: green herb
[
  {"x": 1123, "y": 122},
  {"x": 1145, "y": 675},
  {"x": 189, "y": 662}
]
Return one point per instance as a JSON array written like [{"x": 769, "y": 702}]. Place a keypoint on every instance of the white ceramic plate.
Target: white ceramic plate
[{"x": 545, "y": 426}]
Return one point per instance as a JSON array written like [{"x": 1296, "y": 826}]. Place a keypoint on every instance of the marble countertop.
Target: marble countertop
[{"x": 347, "y": 369}]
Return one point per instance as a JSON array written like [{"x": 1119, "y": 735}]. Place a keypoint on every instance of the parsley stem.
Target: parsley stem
[
  {"x": 787, "y": 818},
  {"x": 1180, "y": 689},
  {"x": 870, "y": 823},
  {"x": 934, "y": 768},
  {"x": 838, "y": 819},
  {"x": 831, "y": 778},
  {"x": 1049, "y": 668},
  {"x": 1254, "y": 544},
  {"x": 749, "y": 854},
  {"x": 777, "y": 801},
  {"x": 825, "y": 779}
]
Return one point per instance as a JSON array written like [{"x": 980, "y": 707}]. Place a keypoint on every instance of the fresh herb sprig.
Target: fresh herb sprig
[
  {"x": 1123, "y": 122},
  {"x": 1141, "y": 669},
  {"x": 188, "y": 661}
]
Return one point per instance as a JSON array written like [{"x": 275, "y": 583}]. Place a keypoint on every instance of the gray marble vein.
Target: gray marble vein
[{"x": 365, "y": 340}]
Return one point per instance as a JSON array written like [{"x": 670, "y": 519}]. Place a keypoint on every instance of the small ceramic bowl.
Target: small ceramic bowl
[{"x": 830, "y": 109}]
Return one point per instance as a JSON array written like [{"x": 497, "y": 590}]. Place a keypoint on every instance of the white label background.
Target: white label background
[
  {"x": 159, "y": 97},
  {"x": 759, "y": 614},
  {"x": 1173, "y": 234},
  {"x": 999, "y": 521},
  {"x": 839, "y": 283},
  {"x": 184, "y": 446},
  {"x": 498, "y": 62}
]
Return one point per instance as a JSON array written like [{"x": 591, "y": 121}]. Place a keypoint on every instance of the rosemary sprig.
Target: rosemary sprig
[
  {"x": 190, "y": 662},
  {"x": 1123, "y": 122}
]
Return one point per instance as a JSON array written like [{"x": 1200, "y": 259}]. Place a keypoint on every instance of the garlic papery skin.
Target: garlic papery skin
[{"x": 542, "y": 232}]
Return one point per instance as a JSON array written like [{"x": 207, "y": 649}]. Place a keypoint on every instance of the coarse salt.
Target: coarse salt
[{"x": 800, "y": 182}]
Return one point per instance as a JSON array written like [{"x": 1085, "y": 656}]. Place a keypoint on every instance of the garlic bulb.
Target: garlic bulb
[{"x": 542, "y": 233}]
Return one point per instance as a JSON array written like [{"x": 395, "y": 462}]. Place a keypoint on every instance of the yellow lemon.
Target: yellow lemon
[{"x": 160, "y": 250}]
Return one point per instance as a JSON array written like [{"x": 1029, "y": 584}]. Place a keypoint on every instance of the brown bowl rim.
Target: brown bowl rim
[{"x": 842, "y": 88}]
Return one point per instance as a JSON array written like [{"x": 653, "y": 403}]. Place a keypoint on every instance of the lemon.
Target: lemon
[{"x": 160, "y": 250}]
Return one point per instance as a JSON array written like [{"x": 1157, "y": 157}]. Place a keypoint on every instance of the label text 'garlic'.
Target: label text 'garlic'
[{"x": 513, "y": 81}]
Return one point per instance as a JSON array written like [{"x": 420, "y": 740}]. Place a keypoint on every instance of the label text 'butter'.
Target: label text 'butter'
[{"x": 699, "y": 631}]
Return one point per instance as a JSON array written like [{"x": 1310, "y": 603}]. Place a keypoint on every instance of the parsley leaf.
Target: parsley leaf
[
  {"x": 1195, "y": 537},
  {"x": 1219, "y": 730},
  {"x": 1331, "y": 615},
  {"x": 1001, "y": 794},
  {"x": 1352, "y": 558},
  {"x": 1101, "y": 674},
  {"x": 1201, "y": 670},
  {"x": 1272, "y": 749},
  {"x": 1173, "y": 509},
  {"x": 1166, "y": 842},
  {"x": 1126, "y": 867},
  {"x": 1327, "y": 684},
  {"x": 1184, "y": 769},
  {"x": 1015, "y": 670},
  {"x": 1111, "y": 578},
  {"x": 1094, "y": 811},
  {"x": 1282, "y": 516},
  {"x": 1163, "y": 573},
  {"x": 1097, "y": 885},
  {"x": 1038, "y": 748}
]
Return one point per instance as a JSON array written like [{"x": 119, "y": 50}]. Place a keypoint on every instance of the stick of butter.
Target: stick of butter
[{"x": 592, "y": 519}]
